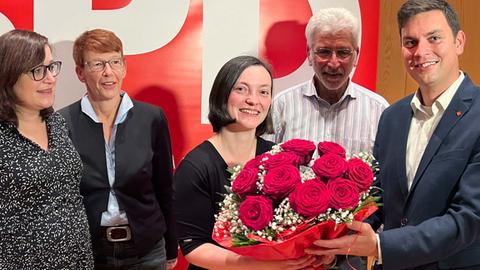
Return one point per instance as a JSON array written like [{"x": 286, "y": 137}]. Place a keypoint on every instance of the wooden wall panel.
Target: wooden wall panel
[
  {"x": 390, "y": 73},
  {"x": 470, "y": 23},
  {"x": 393, "y": 82}
]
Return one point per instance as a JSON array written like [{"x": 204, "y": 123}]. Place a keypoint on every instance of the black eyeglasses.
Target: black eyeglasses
[
  {"x": 40, "y": 72},
  {"x": 326, "y": 53},
  {"x": 99, "y": 65}
]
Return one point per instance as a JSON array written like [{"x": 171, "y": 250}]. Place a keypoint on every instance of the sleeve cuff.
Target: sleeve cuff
[{"x": 379, "y": 248}]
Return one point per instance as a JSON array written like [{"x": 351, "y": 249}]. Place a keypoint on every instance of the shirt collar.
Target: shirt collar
[
  {"x": 441, "y": 103},
  {"x": 125, "y": 105},
  {"x": 311, "y": 91}
]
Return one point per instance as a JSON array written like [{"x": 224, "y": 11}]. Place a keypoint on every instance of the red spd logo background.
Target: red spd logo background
[{"x": 171, "y": 76}]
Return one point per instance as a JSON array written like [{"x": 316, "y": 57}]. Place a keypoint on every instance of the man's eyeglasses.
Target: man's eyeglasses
[
  {"x": 326, "y": 53},
  {"x": 99, "y": 65},
  {"x": 40, "y": 72}
]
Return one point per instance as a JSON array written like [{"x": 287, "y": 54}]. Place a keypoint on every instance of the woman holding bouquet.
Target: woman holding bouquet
[{"x": 239, "y": 103}]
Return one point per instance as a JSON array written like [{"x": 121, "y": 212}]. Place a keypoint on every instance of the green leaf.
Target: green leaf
[{"x": 240, "y": 240}]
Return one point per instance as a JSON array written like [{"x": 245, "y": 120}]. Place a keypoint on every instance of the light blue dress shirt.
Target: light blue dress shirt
[{"x": 113, "y": 216}]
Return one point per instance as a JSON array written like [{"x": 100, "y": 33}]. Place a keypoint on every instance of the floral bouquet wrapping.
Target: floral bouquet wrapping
[{"x": 282, "y": 201}]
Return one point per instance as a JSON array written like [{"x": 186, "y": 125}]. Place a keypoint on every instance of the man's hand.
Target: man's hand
[{"x": 362, "y": 243}]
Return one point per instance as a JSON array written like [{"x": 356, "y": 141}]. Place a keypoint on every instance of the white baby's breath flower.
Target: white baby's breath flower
[
  {"x": 276, "y": 149},
  {"x": 306, "y": 173}
]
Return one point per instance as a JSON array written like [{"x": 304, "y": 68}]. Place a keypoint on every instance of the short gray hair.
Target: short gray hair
[{"x": 331, "y": 21}]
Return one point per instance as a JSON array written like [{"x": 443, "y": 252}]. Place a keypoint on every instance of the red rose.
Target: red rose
[
  {"x": 310, "y": 198},
  {"x": 360, "y": 173},
  {"x": 255, "y": 162},
  {"x": 256, "y": 212},
  {"x": 343, "y": 193},
  {"x": 246, "y": 182},
  {"x": 281, "y": 159},
  {"x": 302, "y": 148},
  {"x": 329, "y": 166},
  {"x": 280, "y": 181},
  {"x": 331, "y": 147}
]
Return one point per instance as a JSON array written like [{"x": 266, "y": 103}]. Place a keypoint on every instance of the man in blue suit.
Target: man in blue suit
[{"x": 428, "y": 147}]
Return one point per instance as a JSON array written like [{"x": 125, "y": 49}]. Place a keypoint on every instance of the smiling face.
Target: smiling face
[
  {"x": 105, "y": 84},
  {"x": 34, "y": 96},
  {"x": 250, "y": 98},
  {"x": 332, "y": 73},
  {"x": 430, "y": 50}
]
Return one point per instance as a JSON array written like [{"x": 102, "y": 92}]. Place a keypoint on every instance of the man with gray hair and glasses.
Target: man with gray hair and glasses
[{"x": 330, "y": 107}]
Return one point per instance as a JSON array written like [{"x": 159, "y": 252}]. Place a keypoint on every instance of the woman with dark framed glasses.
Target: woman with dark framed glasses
[
  {"x": 39, "y": 72},
  {"x": 43, "y": 224}
]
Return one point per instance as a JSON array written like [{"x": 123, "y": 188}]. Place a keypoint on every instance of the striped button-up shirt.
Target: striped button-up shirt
[{"x": 299, "y": 113}]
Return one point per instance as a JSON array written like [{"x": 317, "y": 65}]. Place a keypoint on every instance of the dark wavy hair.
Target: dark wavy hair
[
  {"x": 222, "y": 87},
  {"x": 20, "y": 51},
  {"x": 413, "y": 7}
]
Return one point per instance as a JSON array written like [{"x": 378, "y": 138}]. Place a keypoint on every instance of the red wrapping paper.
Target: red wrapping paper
[{"x": 294, "y": 246}]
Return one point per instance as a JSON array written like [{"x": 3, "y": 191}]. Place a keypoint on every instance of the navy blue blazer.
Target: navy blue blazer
[
  {"x": 435, "y": 225},
  {"x": 143, "y": 173}
]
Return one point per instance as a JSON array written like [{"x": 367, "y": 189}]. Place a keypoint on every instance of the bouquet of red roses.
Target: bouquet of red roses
[{"x": 282, "y": 201}]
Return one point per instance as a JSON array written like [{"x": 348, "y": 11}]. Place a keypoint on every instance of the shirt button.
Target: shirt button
[{"x": 403, "y": 222}]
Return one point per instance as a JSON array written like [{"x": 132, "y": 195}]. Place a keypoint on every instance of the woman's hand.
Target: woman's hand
[
  {"x": 303, "y": 263},
  {"x": 325, "y": 261}
]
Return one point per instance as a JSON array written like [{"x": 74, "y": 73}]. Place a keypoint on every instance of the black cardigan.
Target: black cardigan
[{"x": 143, "y": 173}]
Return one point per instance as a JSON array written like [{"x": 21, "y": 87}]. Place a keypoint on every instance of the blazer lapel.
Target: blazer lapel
[
  {"x": 402, "y": 131},
  {"x": 400, "y": 128},
  {"x": 459, "y": 105}
]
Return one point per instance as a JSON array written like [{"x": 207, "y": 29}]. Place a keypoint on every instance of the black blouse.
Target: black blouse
[{"x": 200, "y": 181}]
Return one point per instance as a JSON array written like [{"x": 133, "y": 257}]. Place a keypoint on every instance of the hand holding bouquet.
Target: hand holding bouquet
[{"x": 282, "y": 201}]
